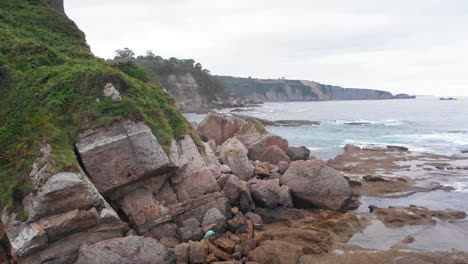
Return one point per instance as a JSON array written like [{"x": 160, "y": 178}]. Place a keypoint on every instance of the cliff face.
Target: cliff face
[
  {"x": 295, "y": 90},
  {"x": 185, "y": 90},
  {"x": 193, "y": 88}
]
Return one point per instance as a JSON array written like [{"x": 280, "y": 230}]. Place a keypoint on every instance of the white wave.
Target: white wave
[
  {"x": 456, "y": 139},
  {"x": 368, "y": 144},
  {"x": 314, "y": 148},
  {"x": 460, "y": 186}
]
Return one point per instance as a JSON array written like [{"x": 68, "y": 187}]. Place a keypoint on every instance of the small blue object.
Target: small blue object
[{"x": 208, "y": 234}]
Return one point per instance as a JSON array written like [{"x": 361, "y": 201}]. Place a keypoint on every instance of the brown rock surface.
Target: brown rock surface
[
  {"x": 314, "y": 183},
  {"x": 121, "y": 153},
  {"x": 276, "y": 252},
  {"x": 258, "y": 149},
  {"x": 220, "y": 127},
  {"x": 266, "y": 193},
  {"x": 234, "y": 154},
  {"x": 127, "y": 250}
]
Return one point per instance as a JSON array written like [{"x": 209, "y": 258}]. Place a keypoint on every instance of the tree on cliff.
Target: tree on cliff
[{"x": 124, "y": 54}]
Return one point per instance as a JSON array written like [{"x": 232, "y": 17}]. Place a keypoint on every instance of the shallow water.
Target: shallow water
[{"x": 443, "y": 236}]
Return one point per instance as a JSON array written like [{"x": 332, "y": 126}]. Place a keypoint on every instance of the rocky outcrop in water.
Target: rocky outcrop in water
[{"x": 316, "y": 184}]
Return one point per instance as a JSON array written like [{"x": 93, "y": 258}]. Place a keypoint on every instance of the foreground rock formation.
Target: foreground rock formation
[{"x": 168, "y": 200}]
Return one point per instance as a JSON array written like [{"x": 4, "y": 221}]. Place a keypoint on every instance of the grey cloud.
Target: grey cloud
[{"x": 416, "y": 46}]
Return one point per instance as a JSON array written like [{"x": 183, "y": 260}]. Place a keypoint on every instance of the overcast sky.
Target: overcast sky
[{"x": 413, "y": 46}]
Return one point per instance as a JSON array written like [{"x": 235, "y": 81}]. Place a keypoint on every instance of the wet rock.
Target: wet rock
[
  {"x": 219, "y": 127},
  {"x": 298, "y": 153},
  {"x": 449, "y": 214},
  {"x": 129, "y": 250},
  {"x": 373, "y": 178},
  {"x": 313, "y": 182},
  {"x": 190, "y": 230},
  {"x": 275, "y": 252},
  {"x": 109, "y": 155},
  {"x": 266, "y": 193},
  {"x": 285, "y": 198},
  {"x": 270, "y": 148},
  {"x": 214, "y": 217},
  {"x": 234, "y": 154},
  {"x": 397, "y": 148},
  {"x": 412, "y": 215}
]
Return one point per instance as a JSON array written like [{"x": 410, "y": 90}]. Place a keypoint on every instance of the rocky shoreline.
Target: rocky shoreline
[{"x": 249, "y": 197}]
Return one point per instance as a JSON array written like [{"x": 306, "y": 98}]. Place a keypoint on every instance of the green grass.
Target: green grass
[{"x": 49, "y": 82}]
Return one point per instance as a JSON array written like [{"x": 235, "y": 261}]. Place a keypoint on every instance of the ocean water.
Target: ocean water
[{"x": 423, "y": 124}]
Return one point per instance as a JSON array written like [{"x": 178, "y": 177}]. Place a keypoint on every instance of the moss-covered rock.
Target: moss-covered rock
[{"x": 51, "y": 88}]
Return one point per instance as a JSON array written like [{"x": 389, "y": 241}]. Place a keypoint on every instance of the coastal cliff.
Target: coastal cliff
[
  {"x": 193, "y": 87},
  {"x": 97, "y": 165},
  {"x": 281, "y": 90}
]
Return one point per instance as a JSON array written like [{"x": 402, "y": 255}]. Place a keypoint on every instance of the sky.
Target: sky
[{"x": 404, "y": 46}]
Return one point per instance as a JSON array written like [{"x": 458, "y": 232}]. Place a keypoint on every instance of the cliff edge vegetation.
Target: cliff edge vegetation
[
  {"x": 192, "y": 86},
  {"x": 51, "y": 87}
]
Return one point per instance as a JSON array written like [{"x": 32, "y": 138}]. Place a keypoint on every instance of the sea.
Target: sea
[{"x": 424, "y": 124}]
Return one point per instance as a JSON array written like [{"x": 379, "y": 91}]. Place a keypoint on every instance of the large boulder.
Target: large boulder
[
  {"x": 266, "y": 193},
  {"x": 61, "y": 193},
  {"x": 65, "y": 209},
  {"x": 316, "y": 184},
  {"x": 127, "y": 250},
  {"x": 190, "y": 230},
  {"x": 251, "y": 132},
  {"x": 121, "y": 153},
  {"x": 214, "y": 217},
  {"x": 234, "y": 154},
  {"x": 220, "y": 127},
  {"x": 270, "y": 148},
  {"x": 298, "y": 153},
  {"x": 232, "y": 188}
]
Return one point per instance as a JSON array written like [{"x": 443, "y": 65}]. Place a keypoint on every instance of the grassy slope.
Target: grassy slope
[{"x": 49, "y": 82}]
